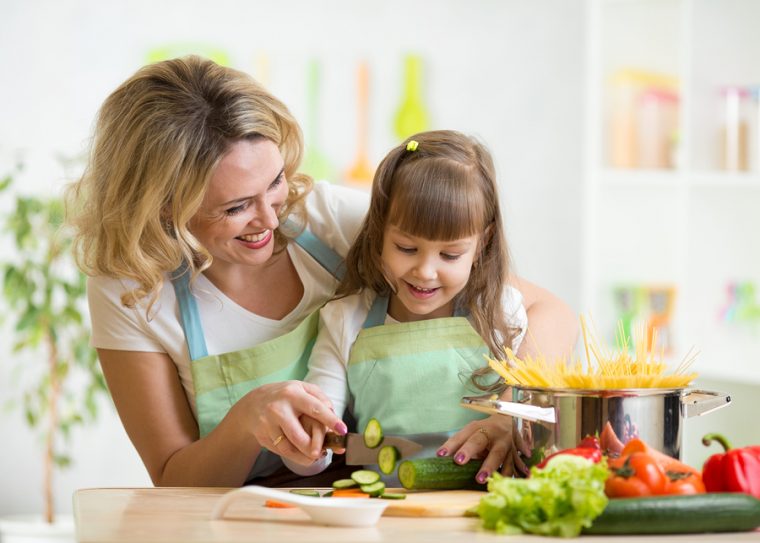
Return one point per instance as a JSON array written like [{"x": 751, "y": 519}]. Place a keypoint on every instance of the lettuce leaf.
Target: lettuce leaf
[{"x": 558, "y": 500}]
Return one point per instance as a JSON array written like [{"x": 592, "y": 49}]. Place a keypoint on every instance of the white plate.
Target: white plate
[{"x": 330, "y": 511}]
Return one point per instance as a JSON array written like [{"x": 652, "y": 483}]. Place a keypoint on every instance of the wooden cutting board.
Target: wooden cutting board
[{"x": 437, "y": 503}]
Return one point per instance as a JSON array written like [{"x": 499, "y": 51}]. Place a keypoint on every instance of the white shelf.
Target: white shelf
[{"x": 692, "y": 226}]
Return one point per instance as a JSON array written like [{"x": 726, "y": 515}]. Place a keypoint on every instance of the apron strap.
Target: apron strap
[
  {"x": 377, "y": 313},
  {"x": 189, "y": 314},
  {"x": 326, "y": 257},
  {"x": 188, "y": 308}
]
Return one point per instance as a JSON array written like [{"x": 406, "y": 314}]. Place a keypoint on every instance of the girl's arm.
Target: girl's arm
[
  {"x": 153, "y": 407},
  {"x": 552, "y": 325}
]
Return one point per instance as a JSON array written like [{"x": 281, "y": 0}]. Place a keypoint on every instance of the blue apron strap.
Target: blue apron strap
[
  {"x": 326, "y": 257},
  {"x": 377, "y": 313},
  {"x": 189, "y": 315}
]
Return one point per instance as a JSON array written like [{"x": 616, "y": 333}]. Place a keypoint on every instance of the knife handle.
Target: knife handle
[{"x": 334, "y": 441}]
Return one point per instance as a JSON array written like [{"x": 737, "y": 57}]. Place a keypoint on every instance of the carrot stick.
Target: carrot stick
[
  {"x": 278, "y": 505},
  {"x": 349, "y": 493}
]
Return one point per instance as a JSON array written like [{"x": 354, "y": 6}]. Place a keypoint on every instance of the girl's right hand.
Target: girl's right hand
[{"x": 275, "y": 411}]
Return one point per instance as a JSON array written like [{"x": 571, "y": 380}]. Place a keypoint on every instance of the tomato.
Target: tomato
[
  {"x": 639, "y": 475},
  {"x": 683, "y": 483}
]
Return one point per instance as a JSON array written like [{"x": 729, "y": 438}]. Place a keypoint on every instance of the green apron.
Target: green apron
[
  {"x": 410, "y": 376},
  {"x": 221, "y": 380}
]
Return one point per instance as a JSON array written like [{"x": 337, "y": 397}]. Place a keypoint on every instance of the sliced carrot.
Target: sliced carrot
[
  {"x": 278, "y": 505},
  {"x": 668, "y": 463},
  {"x": 349, "y": 493}
]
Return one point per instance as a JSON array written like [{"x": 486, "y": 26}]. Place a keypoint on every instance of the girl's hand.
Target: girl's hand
[
  {"x": 491, "y": 439},
  {"x": 274, "y": 411}
]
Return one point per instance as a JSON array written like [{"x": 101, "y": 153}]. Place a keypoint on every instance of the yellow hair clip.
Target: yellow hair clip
[{"x": 412, "y": 145}]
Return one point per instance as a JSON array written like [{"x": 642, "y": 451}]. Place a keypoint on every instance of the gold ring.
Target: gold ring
[
  {"x": 484, "y": 432},
  {"x": 276, "y": 441}
]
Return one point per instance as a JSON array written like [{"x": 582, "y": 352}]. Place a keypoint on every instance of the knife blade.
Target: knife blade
[{"x": 357, "y": 453}]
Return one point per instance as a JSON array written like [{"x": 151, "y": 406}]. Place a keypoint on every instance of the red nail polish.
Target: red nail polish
[
  {"x": 442, "y": 452},
  {"x": 341, "y": 428},
  {"x": 459, "y": 459},
  {"x": 481, "y": 477}
]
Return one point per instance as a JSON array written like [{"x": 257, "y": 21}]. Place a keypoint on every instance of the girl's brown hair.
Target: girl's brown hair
[
  {"x": 444, "y": 190},
  {"x": 157, "y": 141}
]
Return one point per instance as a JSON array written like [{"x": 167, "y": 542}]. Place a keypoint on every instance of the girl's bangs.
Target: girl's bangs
[{"x": 440, "y": 205}]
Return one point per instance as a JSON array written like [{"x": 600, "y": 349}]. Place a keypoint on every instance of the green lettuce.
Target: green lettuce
[{"x": 558, "y": 500}]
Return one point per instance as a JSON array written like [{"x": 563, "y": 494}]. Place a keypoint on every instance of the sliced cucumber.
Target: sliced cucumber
[
  {"x": 364, "y": 477},
  {"x": 437, "y": 473},
  {"x": 387, "y": 458},
  {"x": 305, "y": 492},
  {"x": 327, "y": 494},
  {"x": 373, "y": 489},
  {"x": 373, "y": 434},
  {"x": 345, "y": 483},
  {"x": 392, "y": 496}
]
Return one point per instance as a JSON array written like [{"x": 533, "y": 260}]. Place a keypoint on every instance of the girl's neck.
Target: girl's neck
[{"x": 399, "y": 312}]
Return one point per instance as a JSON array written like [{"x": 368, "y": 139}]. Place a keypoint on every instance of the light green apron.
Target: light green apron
[
  {"x": 223, "y": 379},
  {"x": 410, "y": 376}
]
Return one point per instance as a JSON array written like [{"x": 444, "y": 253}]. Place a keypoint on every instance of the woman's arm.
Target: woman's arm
[
  {"x": 552, "y": 325},
  {"x": 153, "y": 407}
]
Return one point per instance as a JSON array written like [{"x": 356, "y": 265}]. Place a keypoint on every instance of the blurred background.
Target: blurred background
[{"x": 625, "y": 135}]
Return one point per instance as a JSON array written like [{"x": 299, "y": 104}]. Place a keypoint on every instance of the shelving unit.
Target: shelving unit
[{"x": 687, "y": 224}]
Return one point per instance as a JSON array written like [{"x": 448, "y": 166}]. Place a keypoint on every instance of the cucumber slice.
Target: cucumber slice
[
  {"x": 392, "y": 496},
  {"x": 374, "y": 489},
  {"x": 373, "y": 434},
  {"x": 327, "y": 494},
  {"x": 305, "y": 492},
  {"x": 364, "y": 477},
  {"x": 344, "y": 483},
  {"x": 387, "y": 458}
]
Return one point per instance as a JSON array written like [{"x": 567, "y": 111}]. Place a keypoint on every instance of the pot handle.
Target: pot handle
[
  {"x": 532, "y": 413},
  {"x": 701, "y": 402}
]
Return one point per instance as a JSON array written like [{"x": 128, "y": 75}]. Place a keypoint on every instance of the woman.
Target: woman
[{"x": 208, "y": 257}]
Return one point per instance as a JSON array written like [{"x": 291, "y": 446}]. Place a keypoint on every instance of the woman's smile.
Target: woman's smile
[{"x": 256, "y": 241}]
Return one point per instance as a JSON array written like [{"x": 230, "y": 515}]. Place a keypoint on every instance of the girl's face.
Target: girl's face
[
  {"x": 239, "y": 212},
  {"x": 425, "y": 274}
]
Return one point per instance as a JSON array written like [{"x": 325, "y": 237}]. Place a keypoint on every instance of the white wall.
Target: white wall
[{"x": 510, "y": 72}]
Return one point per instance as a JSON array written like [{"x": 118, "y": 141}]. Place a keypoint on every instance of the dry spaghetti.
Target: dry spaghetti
[{"x": 642, "y": 368}]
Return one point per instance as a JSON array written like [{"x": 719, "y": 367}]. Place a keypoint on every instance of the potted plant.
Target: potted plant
[{"x": 44, "y": 300}]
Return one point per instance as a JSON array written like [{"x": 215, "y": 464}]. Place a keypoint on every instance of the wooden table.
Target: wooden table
[{"x": 183, "y": 515}]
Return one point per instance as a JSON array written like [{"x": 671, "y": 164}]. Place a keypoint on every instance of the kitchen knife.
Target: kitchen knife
[{"x": 357, "y": 453}]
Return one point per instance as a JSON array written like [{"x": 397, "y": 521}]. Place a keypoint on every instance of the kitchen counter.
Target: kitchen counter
[{"x": 183, "y": 515}]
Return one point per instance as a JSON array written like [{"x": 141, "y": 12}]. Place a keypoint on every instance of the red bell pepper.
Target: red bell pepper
[
  {"x": 735, "y": 470},
  {"x": 588, "y": 448}
]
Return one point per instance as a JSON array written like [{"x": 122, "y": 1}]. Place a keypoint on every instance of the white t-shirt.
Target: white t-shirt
[
  {"x": 335, "y": 215},
  {"x": 340, "y": 322}
]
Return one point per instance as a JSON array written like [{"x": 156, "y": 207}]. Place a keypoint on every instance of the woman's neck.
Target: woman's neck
[{"x": 272, "y": 290}]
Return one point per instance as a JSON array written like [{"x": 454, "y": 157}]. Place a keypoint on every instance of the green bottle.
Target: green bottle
[{"x": 412, "y": 116}]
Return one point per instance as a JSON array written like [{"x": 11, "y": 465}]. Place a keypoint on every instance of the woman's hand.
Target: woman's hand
[
  {"x": 491, "y": 439},
  {"x": 275, "y": 413}
]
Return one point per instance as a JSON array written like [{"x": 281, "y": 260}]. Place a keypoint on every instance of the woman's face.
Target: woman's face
[
  {"x": 426, "y": 274},
  {"x": 237, "y": 219}
]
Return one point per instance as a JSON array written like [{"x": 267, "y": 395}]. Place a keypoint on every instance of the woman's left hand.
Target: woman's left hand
[{"x": 491, "y": 439}]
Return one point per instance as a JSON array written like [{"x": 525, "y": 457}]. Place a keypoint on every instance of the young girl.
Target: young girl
[{"x": 425, "y": 296}]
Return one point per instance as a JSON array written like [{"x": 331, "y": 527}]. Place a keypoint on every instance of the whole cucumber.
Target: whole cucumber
[
  {"x": 699, "y": 513},
  {"x": 437, "y": 474}
]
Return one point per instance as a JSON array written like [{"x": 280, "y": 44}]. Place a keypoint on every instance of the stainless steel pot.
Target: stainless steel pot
[{"x": 552, "y": 419}]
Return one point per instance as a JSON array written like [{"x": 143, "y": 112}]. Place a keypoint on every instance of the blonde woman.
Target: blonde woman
[{"x": 209, "y": 257}]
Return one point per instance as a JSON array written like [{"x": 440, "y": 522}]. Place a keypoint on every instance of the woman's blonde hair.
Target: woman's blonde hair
[
  {"x": 444, "y": 189},
  {"x": 157, "y": 141}
]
